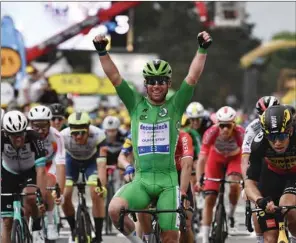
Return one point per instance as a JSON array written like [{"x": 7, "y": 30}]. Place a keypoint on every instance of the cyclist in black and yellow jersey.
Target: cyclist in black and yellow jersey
[{"x": 275, "y": 145}]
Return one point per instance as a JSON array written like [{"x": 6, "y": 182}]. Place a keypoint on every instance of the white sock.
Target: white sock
[
  {"x": 205, "y": 233},
  {"x": 146, "y": 237},
  {"x": 50, "y": 217},
  {"x": 133, "y": 238},
  {"x": 231, "y": 210},
  {"x": 293, "y": 239},
  {"x": 260, "y": 238}
]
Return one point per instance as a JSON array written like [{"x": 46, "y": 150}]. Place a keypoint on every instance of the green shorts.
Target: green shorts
[{"x": 149, "y": 186}]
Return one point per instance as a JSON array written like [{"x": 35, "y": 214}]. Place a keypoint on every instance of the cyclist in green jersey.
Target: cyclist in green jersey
[{"x": 155, "y": 127}]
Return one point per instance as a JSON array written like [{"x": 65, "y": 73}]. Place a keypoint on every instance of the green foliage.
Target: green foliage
[{"x": 171, "y": 32}]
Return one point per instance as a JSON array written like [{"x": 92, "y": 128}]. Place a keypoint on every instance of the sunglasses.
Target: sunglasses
[
  {"x": 43, "y": 127},
  {"x": 76, "y": 133},
  {"x": 157, "y": 80},
  {"x": 277, "y": 136},
  {"x": 59, "y": 118},
  {"x": 16, "y": 134},
  {"x": 227, "y": 125}
]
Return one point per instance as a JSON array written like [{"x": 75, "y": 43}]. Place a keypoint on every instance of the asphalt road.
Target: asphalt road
[{"x": 242, "y": 235}]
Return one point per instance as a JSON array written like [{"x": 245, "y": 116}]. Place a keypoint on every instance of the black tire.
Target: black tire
[
  {"x": 155, "y": 237},
  {"x": 108, "y": 221},
  {"x": 83, "y": 227},
  {"x": 219, "y": 226},
  {"x": 28, "y": 236},
  {"x": 16, "y": 232}
]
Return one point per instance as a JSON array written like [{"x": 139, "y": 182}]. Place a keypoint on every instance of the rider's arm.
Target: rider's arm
[
  {"x": 110, "y": 70},
  {"x": 125, "y": 153},
  {"x": 200, "y": 165},
  {"x": 186, "y": 161},
  {"x": 101, "y": 163},
  {"x": 60, "y": 161},
  {"x": 245, "y": 164},
  {"x": 123, "y": 160}
]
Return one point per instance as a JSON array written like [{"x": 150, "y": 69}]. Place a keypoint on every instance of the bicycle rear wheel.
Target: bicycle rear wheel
[
  {"x": 108, "y": 221},
  {"x": 219, "y": 226},
  {"x": 16, "y": 233},
  {"x": 83, "y": 227}
]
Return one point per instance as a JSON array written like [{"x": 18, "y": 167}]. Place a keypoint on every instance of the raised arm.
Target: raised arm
[
  {"x": 100, "y": 43},
  {"x": 198, "y": 62}
]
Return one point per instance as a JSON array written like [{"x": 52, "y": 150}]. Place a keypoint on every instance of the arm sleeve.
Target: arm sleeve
[
  {"x": 187, "y": 146},
  {"x": 255, "y": 163},
  {"x": 129, "y": 96},
  {"x": 38, "y": 148},
  {"x": 182, "y": 97},
  {"x": 127, "y": 147},
  {"x": 61, "y": 153}
]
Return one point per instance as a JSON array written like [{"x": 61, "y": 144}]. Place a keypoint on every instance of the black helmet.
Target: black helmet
[
  {"x": 57, "y": 110},
  {"x": 264, "y": 102},
  {"x": 276, "y": 119}
]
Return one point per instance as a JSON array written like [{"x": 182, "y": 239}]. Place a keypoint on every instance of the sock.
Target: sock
[
  {"x": 50, "y": 217},
  {"x": 98, "y": 228},
  {"x": 293, "y": 239},
  {"x": 133, "y": 238},
  {"x": 71, "y": 222},
  {"x": 260, "y": 238},
  {"x": 146, "y": 237},
  {"x": 231, "y": 210},
  {"x": 36, "y": 226},
  {"x": 205, "y": 233}
]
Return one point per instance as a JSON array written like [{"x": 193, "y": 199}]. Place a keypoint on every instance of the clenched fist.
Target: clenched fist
[
  {"x": 100, "y": 43},
  {"x": 204, "y": 39}
]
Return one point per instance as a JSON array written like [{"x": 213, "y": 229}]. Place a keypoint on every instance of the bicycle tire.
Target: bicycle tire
[
  {"x": 196, "y": 221},
  {"x": 155, "y": 237},
  {"x": 28, "y": 236},
  {"x": 218, "y": 234},
  {"x": 108, "y": 221},
  {"x": 83, "y": 229},
  {"x": 16, "y": 233}
]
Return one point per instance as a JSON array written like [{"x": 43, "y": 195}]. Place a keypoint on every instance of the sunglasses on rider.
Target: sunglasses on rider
[
  {"x": 59, "y": 118},
  {"x": 40, "y": 126},
  {"x": 277, "y": 136},
  {"x": 227, "y": 125},
  {"x": 160, "y": 80},
  {"x": 16, "y": 134},
  {"x": 76, "y": 133}
]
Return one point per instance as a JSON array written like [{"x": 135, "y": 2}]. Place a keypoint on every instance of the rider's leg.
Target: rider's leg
[
  {"x": 6, "y": 230},
  {"x": 259, "y": 234},
  {"x": 125, "y": 198},
  {"x": 270, "y": 236},
  {"x": 143, "y": 226},
  {"x": 72, "y": 173},
  {"x": 289, "y": 199}
]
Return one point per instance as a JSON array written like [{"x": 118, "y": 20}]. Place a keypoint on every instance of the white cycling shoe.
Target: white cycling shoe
[{"x": 38, "y": 236}]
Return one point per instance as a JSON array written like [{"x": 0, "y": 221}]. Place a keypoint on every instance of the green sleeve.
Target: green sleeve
[
  {"x": 129, "y": 96},
  {"x": 183, "y": 96}
]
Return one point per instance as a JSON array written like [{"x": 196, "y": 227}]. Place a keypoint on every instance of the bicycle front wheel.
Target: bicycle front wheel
[
  {"x": 219, "y": 226},
  {"x": 17, "y": 234},
  {"x": 83, "y": 227}
]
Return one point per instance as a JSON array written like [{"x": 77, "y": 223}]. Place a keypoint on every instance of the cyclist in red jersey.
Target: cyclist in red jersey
[{"x": 221, "y": 146}]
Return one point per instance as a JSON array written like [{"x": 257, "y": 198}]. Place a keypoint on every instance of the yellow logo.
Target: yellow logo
[{"x": 10, "y": 62}]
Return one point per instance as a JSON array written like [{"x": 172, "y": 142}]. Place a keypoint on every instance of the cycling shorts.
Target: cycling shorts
[
  {"x": 73, "y": 166},
  {"x": 11, "y": 183},
  {"x": 214, "y": 168}
]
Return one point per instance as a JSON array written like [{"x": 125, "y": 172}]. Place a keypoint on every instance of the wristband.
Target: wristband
[
  {"x": 202, "y": 50},
  {"x": 102, "y": 53}
]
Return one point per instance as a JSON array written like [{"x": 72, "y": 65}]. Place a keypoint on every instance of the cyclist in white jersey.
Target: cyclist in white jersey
[
  {"x": 251, "y": 131},
  {"x": 22, "y": 161},
  {"x": 85, "y": 147},
  {"x": 40, "y": 117}
]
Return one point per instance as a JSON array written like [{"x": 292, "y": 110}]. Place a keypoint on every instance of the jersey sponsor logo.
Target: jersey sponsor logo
[
  {"x": 143, "y": 117},
  {"x": 163, "y": 112},
  {"x": 287, "y": 162},
  {"x": 273, "y": 122},
  {"x": 259, "y": 137},
  {"x": 185, "y": 144},
  {"x": 154, "y": 138}
]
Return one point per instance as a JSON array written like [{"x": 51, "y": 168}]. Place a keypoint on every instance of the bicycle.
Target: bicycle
[
  {"x": 20, "y": 229},
  {"x": 111, "y": 192},
  {"x": 56, "y": 210},
  {"x": 155, "y": 238},
  {"x": 84, "y": 226},
  {"x": 279, "y": 215},
  {"x": 219, "y": 229},
  {"x": 197, "y": 212}
]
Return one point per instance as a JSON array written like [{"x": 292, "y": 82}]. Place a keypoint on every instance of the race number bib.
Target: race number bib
[{"x": 154, "y": 138}]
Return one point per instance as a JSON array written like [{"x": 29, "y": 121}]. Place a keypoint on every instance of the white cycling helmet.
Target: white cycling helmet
[
  {"x": 195, "y": 110},
  {"x": 40, "y": 112},
  {"x": 226, "y": 114},
  {"x": 111, "y": 122},
  {"x": 14, "y": 121}
]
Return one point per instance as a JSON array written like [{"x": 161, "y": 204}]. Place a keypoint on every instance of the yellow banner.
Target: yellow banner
[{"x": 81, "y": 84}]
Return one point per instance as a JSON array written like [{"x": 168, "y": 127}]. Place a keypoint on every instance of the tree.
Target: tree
[{"x": 170, "y": 29}]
